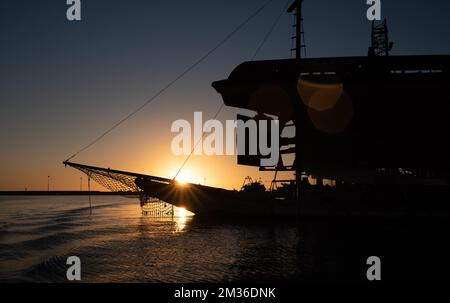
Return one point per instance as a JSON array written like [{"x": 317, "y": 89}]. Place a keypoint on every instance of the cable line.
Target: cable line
[
  {"x": 197, "y": 143},
  {"x": 263, "y": 42},
  {"x": 275, "y": 23},
  {"x": 167, "y": 86}
]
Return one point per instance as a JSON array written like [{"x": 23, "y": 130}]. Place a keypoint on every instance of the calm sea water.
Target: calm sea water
[{"x": 119, "y": 244}]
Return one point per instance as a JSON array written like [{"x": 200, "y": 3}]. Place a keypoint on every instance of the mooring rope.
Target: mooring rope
[
  {"x": 263, "y": 42},
  {"x": 196, "y": 144},
  {"x": 167, "y": 86},
  {"x": 89, "y": 193},
  {"x": 272, "y": 28}
]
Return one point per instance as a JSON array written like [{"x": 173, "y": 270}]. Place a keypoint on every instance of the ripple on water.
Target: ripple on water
[{"x": 117, "y": 244}]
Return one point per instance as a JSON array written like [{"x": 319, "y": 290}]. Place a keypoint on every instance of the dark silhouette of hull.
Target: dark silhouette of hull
[
  {"x": 338, "y": 202},
  {"x": 199, "y": 199},
  {"x": 210, "y": 201}
]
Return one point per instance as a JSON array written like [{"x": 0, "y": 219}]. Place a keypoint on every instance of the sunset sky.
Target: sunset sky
[{"x": 64, "y": 83}]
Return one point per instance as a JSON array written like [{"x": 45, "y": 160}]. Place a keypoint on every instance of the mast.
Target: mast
[
  {"x": 380, "y": 44},
  {"x": 296, "y": 8}
]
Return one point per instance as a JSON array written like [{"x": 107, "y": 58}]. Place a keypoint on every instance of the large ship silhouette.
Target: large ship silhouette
[{"x": 376, "y": 125}]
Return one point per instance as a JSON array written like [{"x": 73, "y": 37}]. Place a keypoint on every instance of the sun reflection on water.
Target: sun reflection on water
[
  {"x": 176, "y": 218},
  {"x": 181, "y": 217}
]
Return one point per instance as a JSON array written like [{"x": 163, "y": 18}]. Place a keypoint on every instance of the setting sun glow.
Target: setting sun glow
[{"x": 186, "y": 177}]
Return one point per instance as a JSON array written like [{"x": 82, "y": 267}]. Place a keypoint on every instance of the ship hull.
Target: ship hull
[{"x": 211, "y": 201}]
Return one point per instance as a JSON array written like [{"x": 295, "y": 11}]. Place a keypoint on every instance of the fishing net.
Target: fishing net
[
  {"x": 125, "y": 182},
  {"x": 115, "y": 182},
  {"x": 157, "y": 208}
]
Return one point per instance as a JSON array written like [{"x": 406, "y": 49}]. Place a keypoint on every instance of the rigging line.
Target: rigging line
[
  {"x": 304, "y": 39},
  {"x": 190, "y": 68},
  {"x": 266, "y": 37},
  {"x": 196, "y": 144}
]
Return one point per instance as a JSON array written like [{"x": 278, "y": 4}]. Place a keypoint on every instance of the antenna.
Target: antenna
[
  {"x": 296, "y": 8},
  {"x": 381, "y": 46}
]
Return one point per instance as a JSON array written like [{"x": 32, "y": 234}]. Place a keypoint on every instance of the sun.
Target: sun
[{"x": 185, "y": 177}]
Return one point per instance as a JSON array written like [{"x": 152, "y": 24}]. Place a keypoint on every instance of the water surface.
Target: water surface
[{"x": 118, "y": 244}]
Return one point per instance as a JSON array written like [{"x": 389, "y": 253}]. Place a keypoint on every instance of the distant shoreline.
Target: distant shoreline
[{"x": 64, "y": 193}]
